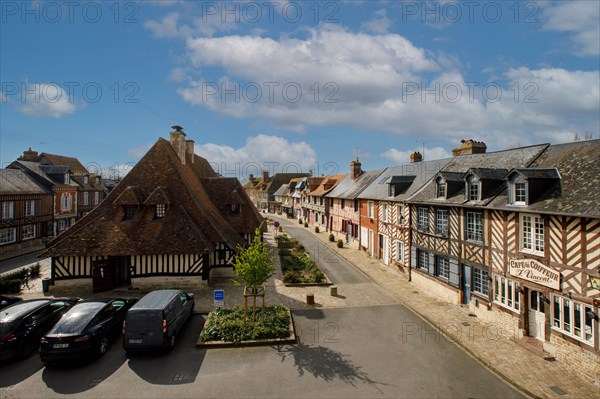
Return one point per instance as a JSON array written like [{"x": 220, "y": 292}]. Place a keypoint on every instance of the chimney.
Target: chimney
[
  {"x": 468, "y": 147},
  {"x": 251, "y": 177},
  {"x": 178, "y": 142},
  {"x": 265, "y": 175},
  {"x": 29, "y": 155},
  {"x": 355, "y": 170},
  {"x": 416, "y": 157},
  {"x": 189, "y": 149}
]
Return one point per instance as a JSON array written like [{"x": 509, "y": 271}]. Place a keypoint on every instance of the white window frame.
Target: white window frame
[
  {"x": 27, "y": 232},
  {"x": 96, "y": 198},
  {"x": 97, "y": 181},
  {"x": 441, "y": 189},
  {"x": 400, "y": 251},
  {"x": 423, "y": 260},
  {"x": 6, "y": 237},
  {"x": 441, "y": 222},
  {"x": 423, "y": 219},
  {"x": 559, "y": 324},
  {"x": 8, "y": 210},
  {"x": 442, "y": 263},
  {"x": 532, "y": 234},
  {"x": 479, "y": 277},
  {"x": 516, "y": 189},
  {"x": 29, "y": 207},
  {"x": 66, "y": 202},
  {"x": 506, "y": 293},
  {"x": 399, "y": 215},
  {"x": 86, "y": 180},
  {"x": 160, "y": 211},
  {"x": 474, "y": 227},
  {"x": 67, "y": 179},
  {"x": 473, "y": 189},
  {"x": 384, "y": 212},
  {"x": 370, "y": 209},
  {"x": 86, "y": 198}
]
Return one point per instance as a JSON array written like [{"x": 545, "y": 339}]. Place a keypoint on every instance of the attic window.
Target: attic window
[
  {"x": 97, "y": 180},
  {"x": 128, "y": 212},
  {"x": 234, "y": 209},
  {"x": 391, "y": 190},
  {"x": 473, "y": 189},
  {"x": 520, "y": 191},
  {"x": 440, "y": 189},
  {"x": 159, "y": 211},
  {"x": 86, "y": 180},
  {"x": 67, "y": 179}
]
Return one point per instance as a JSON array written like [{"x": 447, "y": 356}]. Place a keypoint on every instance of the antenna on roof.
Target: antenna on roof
[
  {"x": 423, "y": 143},
  {"x": 357, "y": 154}
]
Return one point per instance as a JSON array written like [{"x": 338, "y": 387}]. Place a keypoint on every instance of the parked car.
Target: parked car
[
  {"x": 155, "y": 320},
  {"x": 85, "y": 330},
  {"x": 8, "y": 300},
  {"x": 24, "y": 323}
]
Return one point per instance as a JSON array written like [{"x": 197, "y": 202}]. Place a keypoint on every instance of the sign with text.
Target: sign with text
[
  {"x": 219, "y": 298},
  {"x": 534, "y": 271}
]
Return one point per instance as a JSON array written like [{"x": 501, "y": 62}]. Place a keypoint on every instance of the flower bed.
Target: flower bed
[
  {"x": 298, "y": 267},
  {"x": 230, "y": 325}
]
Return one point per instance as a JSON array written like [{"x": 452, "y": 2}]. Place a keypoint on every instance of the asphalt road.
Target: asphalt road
[
  {"x": 379, "y": 351},
  {"x": 15, "y": 263}
]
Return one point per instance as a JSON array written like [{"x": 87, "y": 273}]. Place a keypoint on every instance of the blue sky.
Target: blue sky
[{"x": 295, "y": 85}]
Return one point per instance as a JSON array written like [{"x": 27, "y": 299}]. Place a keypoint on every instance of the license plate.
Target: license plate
[
  {"x": 58, "y": 346},
  {"x": 135, "y": 341}
]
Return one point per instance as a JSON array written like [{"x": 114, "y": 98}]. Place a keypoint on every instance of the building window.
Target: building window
[
  {"x": 356, "y": 205},
  {"x": 532, "y": 234},
  {"x": 97, "y": 181},
  {"x": 400, "y": 251},
  {"x": 442, "y": 266},
  {"x": 159, "y": 211},
  {"x": 86, "y": 180},
  {"x": 8, "y": 236},
  {"x": 520, "y": 194},
  {"x": 423, "y": 220},
  {"x": 440, "y": 189},
  {"x": 235, "y": 209},
  {"x": 8, "y": 210},
  {"x": 384, "y": 212},
  {"x": 399, "y": 216},
  {"x": 423, "y": 260},
  {"x": 86, "y": 198},
  {"x": 343, "y": 203},
  {"x": 391, "y": 190},
  {"x": 67, "y": 179},
  {"x": 441, "y": 222},
  {"x": 29, "y": 208},
  {"x": 370, "y": 210},
  {"x": 480, "y": 281},
  {"x": 66, "y": 202},
  {"x": 473, "y": 189},
  {"x": 506, "y": 293},
  {"x": 574, "y": 319},
  {"x": 28, "y": 232},
  {"x": 129, "y": 212},
  {"x": 474, "y": 227},
  {"x": 96, "y": 198}
]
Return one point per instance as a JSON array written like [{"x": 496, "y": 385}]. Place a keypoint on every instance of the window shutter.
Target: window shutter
[
  {"x": 413, "y": 257},
  {"x": 431, "y": 264},
  {"x": 453, "y": 272}
]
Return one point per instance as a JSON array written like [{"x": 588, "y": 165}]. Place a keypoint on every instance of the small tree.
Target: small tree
[{"x": 254, "y": 266}]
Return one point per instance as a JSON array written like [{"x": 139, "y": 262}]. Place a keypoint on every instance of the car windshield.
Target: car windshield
[
  {"x": 13, "y": 312},
  {"x": 77, "y": 318}
]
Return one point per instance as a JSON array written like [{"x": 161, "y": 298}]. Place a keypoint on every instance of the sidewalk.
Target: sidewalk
[{"x": 524, "y": 369}]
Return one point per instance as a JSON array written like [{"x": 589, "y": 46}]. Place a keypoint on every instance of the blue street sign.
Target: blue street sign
[
  {"x": 276, "y": 224},
  {"x": 219, "y": 295}
]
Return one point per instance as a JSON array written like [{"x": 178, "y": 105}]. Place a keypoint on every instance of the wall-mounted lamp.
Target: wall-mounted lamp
[
  {"x": 544, "y": 298},
  {"x": 519, "y": 289}
]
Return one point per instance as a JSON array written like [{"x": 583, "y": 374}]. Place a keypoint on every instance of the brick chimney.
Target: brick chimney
[
  {"x": 416, "y": 156},
  {"x": 265, "y": 176},
  {"x": 355, "y": 169},
  {"x": 468, "y": 147},
  {"x": 178, "y": 142},
  {"x": 29, "y": 155},
  {"x": 189, "y": 149}
]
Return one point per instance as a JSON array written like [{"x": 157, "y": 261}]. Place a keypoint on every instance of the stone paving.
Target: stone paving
[{"x": 526, "y": 370}]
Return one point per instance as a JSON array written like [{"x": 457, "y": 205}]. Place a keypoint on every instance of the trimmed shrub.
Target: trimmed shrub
[
  {"x": 34, "y": 271},
  {"x": 340, "y": 243},
  {"x": 12, "y": 286},
  {"x": 331, "y": 237},
  {"x": 305, "y": 224},
  {"x": 317, "y": 229},
  {"x": 299, "y": 221}
]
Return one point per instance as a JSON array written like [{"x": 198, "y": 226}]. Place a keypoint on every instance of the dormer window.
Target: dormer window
[
  {"x": 86, "y": 180},
  {"x": 391, "y": 190},
  {"x": 473, "y": 189},
  {"x": 67, "y": 179},
  {"x": 440, "y": 188},
  {"x": 128, "y": 212},
  {"x": 159, "y": 211},
  {"x": 235, "y": 209},
  {"x": 520, "y": 194},
  {"x": 97, "y": 180}
]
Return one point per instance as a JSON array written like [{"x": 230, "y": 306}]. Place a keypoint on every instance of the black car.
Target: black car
[
  {"x": 24, "y": 323},
  {"x": 85, "y": 330}
]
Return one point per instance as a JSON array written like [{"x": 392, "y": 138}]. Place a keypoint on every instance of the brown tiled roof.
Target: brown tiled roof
[
  {"x": 73, "y": 163},
  {"x": 90, "y": 186},
  {"x": 193, "y": 220},
  {"x": 327, "y": 184}
]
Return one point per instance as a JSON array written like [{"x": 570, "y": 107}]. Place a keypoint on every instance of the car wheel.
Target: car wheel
[{"x": 103, "y": 345}]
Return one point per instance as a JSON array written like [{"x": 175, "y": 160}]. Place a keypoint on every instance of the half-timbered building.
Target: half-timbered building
[
  {"x": 167, "y": 223},
  {"x": 316, "y": 205}
]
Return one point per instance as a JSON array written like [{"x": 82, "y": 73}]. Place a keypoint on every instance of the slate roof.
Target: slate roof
[
  {"x": 488, "y": 173},
  {"x": 505, "y": 160},
  {"x": 283, "y": 190},
  {"x": 90, "y": 186},
  {"x": 38, "y": 173},
  {"x": 537, "y": 173},
  {"x": 351, "y": 189},
  {"x": 576, "y": 193},
  {"x": 15, "y": 181},
  {"x": 410, "y": 176},
  {"x": 74, "y": 165},
  {"x": 194, "y": 220},
  {"x": 327, "y": 184}
]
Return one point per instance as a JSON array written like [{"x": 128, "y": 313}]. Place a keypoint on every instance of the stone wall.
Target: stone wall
[
  {"x": 576, "y": 359},
  {"x": 435, "y": 288},
  {"x": 168, "y": 282},
  {"x": 507, "y": 323}
]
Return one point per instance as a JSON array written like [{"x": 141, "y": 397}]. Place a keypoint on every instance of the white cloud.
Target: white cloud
[
  {"x": 579, "y": 18},
  {"x": 399, "y": 157},
  {"x": 261, "y": 152},
  {"x": 168, "y": 27},
  {"x": 140, "y": 151},
  {"x": 380, "y": 23},
  {"x": 46, "y": 99}
]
